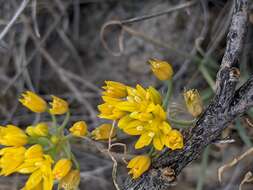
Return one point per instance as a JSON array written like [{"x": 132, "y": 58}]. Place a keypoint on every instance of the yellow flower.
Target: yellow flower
[
  {"x": 139, "y": 101},
  {"x": 41, "y": 130},
  {"x": 161, "y": 69},
  {"x": 108, "y": 111},
  {"x": 154, "y": 95},
  {"x": 131, "y": 126},
  {"x": 79, "y": 129},
  {"x": 33, "y": 158},
  {"x": 11, "y": 159},
  {"x": 34, "y": 181},
  {"x": 12, "y": 136},
  {"x": 42, "y": 178},
  {"x": 193, "y": 102},
  {"x": 114, "y": 93},
  {"x": 153, "y": 130},
  {"x": 138, "y": 165},
  {"x": 61, "y": 168},
  {"x": 103, "y": 131},
  {"x": 71, "y": 180},
  {"x": 114, "y": 89},
  {"x": 33, "y": 102},
  {"x": 145, "y": 139},
  {"x": 174, "y": 140},
  {"x": 59, "y": 106}
]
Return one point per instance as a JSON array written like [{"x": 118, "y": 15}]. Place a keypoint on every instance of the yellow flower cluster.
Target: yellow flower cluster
[
  {"x": 38, "y": 151},
  {"x": 17, "y": 158},
  {"x": 139, "y": 112}
]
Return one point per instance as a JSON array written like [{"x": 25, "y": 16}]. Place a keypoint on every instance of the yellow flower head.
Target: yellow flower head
[
  {"x": 33, "y": 102},
  {"x": 114, "y": 89},
  {"x": 11, "y": 159},
  {"x": 161, "y": 69},
  {"x": 12, "y": 136},
  {"x": 79, "y": 129},
  {"x": 61, "y": 168},
  {"x": 71, "y": 180},
  {"x": 138, "y": 165},
  {"x": 59, "y": 106},
  {"x": 174, "y": 140},
  {"x": 41, "y": 130},
  {"x": 193, "y": 102},
  {"x": 103, "y": 131}
]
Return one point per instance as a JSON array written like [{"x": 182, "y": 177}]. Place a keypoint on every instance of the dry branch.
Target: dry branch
[{"x": 227, "y": 104}]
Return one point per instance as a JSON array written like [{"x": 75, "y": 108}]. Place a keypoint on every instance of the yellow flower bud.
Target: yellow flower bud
[
  {"x": 174, "y": 140},
  {"x": 12, "y": 136},
  {"x": 61, "y": 168},
  {"x": 59, "y": 106},
  {"x": 71, "y": 180},
  {"x": 40, "y": 130},
  {"x": 115, "y": 89},
  {"x": 54, "y": 139},
  {"x": 193, "y": 102},
  {"x": 79, "y": 129},
  {"x": 33, "y": 102},
  {"x": 161, "y": 69},
  {"x": 30, "y": 131},
  {"x": 138, "y": 165},
  {"x": 103, "y": 131}
]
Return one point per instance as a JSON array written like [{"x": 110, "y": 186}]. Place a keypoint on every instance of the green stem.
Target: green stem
[
  {"x": 168, "y": 95},
  {"x": 67, "y": 151},
  {"x": 204, "y": 163},
  {"x": 207, "y": 76},
  {"x": 151, "y": 151},
  {"x": 40, "y": 140},
  {"x": 64, "y": 123},
  {"x": 75, "y": 161},
  {"x": 67, "y": 137},
  {"x": 54, "y": 120}
]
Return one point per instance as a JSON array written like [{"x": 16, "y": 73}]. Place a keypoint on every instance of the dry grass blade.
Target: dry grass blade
[
  {"x": 222, "y": 169},
  {"x": 14, "y": 18},
  {"x": 247, "y": 179}
]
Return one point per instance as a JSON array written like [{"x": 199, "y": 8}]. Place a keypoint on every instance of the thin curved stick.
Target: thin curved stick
[
  {"x": 120, "y": 37},
  {"x": 14, "y": 18}
]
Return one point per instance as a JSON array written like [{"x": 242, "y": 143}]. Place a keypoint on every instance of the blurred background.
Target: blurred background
[{"x": 60, "y": 47}]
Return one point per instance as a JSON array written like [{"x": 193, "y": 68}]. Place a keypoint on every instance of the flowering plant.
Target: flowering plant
[{"x": 43, "y": 150}]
